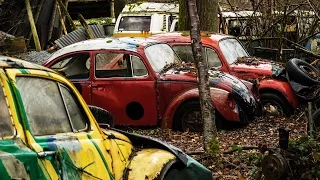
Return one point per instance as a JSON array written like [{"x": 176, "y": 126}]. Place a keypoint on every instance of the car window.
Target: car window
[
  {"x": 160, "y": 56},
  {"x": 185, "y": 53},
  {"x": 135, "y": 23},
  {"x": 109, "y": 64},
  {"x": 73, "y": 109},
  {"x": 74, "y": 66},
  {"x": 212, "y": 58},
  {"x": 5, "y": 120},
  {"x": 138, "y": 68},
  {"x": 232, "y": 50},
  {"x": 49, "y": 106}
]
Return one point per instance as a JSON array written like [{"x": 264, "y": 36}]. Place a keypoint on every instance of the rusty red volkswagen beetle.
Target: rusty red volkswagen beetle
[
  {"x": 142, "y": 82},
  {"x": 226, "y": 53}
]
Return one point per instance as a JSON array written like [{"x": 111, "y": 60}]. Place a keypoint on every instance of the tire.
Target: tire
[
  {"x": 188, "y": 108},
  {"x": 277, "y": 101},
  {"x": 170, "y": 170},
  {"x": 300, "y": 70}
]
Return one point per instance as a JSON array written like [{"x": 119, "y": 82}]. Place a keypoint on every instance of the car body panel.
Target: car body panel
[{"x": 254, "y": 69}]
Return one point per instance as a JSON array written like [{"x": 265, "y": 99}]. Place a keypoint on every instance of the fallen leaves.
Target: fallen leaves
[{"x": 261, "y": 133}]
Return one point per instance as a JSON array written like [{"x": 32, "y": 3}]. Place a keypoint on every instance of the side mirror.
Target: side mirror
[{"x": 102, "y": 116}]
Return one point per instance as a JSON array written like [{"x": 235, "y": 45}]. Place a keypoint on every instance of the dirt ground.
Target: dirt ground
[{"x": 234, "y": 160}]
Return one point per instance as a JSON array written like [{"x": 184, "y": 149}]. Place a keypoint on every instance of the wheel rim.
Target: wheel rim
[
  {"x": 308, "y": 70},
  {"x": 192, "y": 120},
  {"x": 272, "y": 108}
]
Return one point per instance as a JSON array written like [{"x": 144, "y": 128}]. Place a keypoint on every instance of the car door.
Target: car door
[
  {"x": 122, "y": 85},
  {"x": 57, "y": 127},
  {"x": 75, "y": 66},
  {"x": 17, "y": 161}
]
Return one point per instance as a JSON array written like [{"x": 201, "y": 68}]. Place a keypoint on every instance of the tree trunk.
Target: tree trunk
[
  {"x": 208, "y": 15},
  {"x": 184, "y": 22},
  {"x": 208, "y": 11},
  {"x": 207, "y": 111},
  {"x": 112, "y": 14},
  {"x": 33, "y": 26}
]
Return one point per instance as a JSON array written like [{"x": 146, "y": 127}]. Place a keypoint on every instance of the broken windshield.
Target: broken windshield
[
  {"x": 161, "y": 56},
  {"x": 232, "y": 49}
]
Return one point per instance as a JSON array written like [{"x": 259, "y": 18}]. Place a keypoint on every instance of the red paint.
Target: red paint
[{"x": 239, "y": 70}]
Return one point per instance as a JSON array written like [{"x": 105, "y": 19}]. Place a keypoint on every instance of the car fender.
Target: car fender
[
  {"x": 148, "y": 163},
  {"x": 283, "y": 87},
  {"x": 219, "y": 100}
]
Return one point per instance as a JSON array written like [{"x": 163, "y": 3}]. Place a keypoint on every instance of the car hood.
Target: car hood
[
  {"x": 217, "y": 79},
  {"x": 262, "y": 67}
]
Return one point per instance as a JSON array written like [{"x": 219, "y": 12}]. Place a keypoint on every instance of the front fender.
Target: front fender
[
  {"x": 219, "y": 98},
  {"x": 148, "y": 163},
  {"x": 282, "y": 87}
]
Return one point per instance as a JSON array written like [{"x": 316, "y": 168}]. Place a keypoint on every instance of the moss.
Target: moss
[
  {"x": 205, "y": 35},
  {"x": 213, "y": 145},
  {"x": 185, "y": 33}
]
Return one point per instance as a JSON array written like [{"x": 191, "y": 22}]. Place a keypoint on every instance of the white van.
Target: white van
[{"x": 145, "y": 19}]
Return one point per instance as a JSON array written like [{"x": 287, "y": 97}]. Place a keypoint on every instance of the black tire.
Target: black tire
[
  {"x": 276, "y": 101},
  {"x": 102, "y": 116},
  {"x": 183, "y": 111},
  {"x": 299, "y": 71}
]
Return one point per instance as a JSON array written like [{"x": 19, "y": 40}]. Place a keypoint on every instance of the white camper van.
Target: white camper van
[{"x": 145, "y": 19}]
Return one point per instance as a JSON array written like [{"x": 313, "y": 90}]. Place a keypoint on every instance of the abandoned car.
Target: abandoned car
[
  {"x": 226, "y": 53},
  {"x": 142, "y": 82},
  {"x": 48, "y": 132}
]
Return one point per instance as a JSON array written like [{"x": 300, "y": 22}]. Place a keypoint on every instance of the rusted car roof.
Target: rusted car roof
[
  {"x": 130, "y": 44},
  {"x": 8, "y": 62}
]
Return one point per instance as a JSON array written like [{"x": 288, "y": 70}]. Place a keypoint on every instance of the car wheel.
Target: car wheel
[
  {"x": 275, "y": 105},
  {"x": 302, "y": 72},
  {"x": 188, "y": 117}
]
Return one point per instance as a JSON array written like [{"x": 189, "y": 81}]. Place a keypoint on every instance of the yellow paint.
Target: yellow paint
[
  {"x": 147, "y": 164},
  {"x": 48, "y": 169},
  {"x": 89, "y": 155},
  {"x": 115, "y": 151},
  {"x": 31, "y": 141},
  {"x": 141, "y": 34}
]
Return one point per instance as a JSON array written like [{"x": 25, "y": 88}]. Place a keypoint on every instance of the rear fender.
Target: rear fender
[
  {"x": 282, "y": 87},
  {"x": 219, "y": 98}
]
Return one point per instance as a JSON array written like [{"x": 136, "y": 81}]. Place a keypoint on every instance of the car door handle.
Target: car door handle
[
  {"x": 44, "y": 154},
  {"x": 99, "y": 87}
]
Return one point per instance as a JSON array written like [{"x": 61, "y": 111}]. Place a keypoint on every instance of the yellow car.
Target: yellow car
[{"x": 47, "y": 131}]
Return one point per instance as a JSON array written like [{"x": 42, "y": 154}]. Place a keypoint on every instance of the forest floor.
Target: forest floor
[{"x": 240, "y": 147}]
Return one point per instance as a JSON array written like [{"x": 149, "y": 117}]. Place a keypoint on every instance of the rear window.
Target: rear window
[
  {"x": 5, "y": 120},
  {"x": 135, "y": 23}
]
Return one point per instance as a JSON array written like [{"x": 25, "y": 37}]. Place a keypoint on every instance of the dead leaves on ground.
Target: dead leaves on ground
[{"x": 262, "y": 132}]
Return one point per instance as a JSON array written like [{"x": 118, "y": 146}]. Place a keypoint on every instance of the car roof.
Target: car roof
[
  {"x": 185, "y": 37},
  {"x": 127, "y": 43},
  {"x": 10, "y": 62}
]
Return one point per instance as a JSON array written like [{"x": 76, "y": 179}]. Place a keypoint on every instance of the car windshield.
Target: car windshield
[
  {"x": 232, "y": 49},
  {"x": 135, "y": 23},
  {"x": 161, "y": 56}
]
